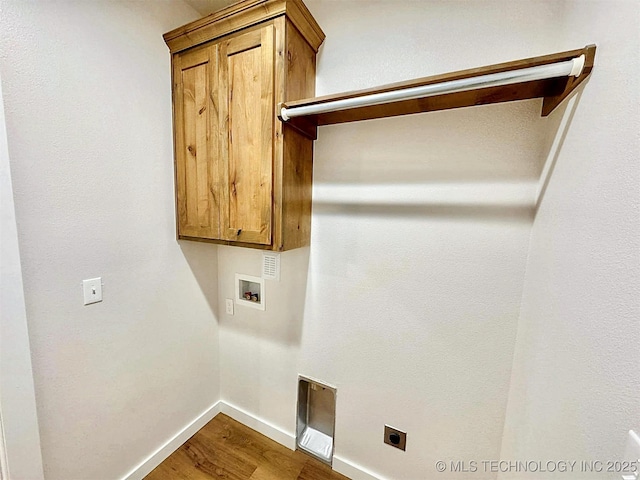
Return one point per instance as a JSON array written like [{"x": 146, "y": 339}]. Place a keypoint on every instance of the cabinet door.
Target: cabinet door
[
  {"x": 247, "y": 122},
  {"x": 195, "y": 81}
]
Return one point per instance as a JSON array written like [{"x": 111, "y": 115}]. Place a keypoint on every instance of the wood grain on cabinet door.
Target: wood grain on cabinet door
[
  {"x": 196, "y": 148},
  {"x": 247, "y": 118}
]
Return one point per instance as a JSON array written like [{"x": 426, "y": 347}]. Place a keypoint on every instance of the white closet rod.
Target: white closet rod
[{"x": 570, "y": 68}]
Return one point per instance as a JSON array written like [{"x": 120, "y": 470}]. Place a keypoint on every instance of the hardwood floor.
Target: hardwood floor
[{"x": 224, "y": 448}]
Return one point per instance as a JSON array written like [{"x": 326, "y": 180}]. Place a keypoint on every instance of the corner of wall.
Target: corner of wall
[{"x": 20, "y": 441}]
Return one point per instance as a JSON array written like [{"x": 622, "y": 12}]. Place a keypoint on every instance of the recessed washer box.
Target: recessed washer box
[
  {"x": 250, "y": 291},
  {"x": 316, "y": 420}
]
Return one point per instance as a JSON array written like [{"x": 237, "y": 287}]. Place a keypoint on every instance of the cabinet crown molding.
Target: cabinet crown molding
[{"x": 242, "y": 15}]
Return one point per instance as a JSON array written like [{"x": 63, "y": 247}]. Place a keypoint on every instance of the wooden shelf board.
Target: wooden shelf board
[{"x": 553, "y": 91}]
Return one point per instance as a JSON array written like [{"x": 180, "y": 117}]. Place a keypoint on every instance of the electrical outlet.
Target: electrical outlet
[
  {"x": 395, "y": 438},
  {"x": 229, "y": 304}
]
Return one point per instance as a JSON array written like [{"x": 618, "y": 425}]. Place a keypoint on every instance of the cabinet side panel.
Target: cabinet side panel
[
  {"x": 278, "y": 129},
  {"x": 178, "y": 143},
  {"x": 298, "y": 150},
  {"x": 297, "y": 181}
]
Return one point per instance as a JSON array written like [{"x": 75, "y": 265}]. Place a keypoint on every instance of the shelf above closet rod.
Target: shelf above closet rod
[{"x": 551, "y": 77}]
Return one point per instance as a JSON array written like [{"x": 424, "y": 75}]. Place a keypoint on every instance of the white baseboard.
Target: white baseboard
[
  {"x": 260, "y": 425},
  {"x": 171, "y": 445},
  {"x": 276, "y": 434},
  {"x": 353, "y": 471}
]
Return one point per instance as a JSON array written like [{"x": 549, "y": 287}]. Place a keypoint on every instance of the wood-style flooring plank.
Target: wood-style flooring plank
[
  {"x": 318, "y": 471},
  {"x": 226, "y": 449}
]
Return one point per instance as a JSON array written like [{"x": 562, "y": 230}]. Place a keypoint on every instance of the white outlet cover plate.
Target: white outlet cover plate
[
  {"x": 229, "y": 305},
  {"x": 92, "y": 290}
]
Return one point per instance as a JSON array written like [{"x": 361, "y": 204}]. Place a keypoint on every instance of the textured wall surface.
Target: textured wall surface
[
  {"x": 86, "y": 87},
  {"x": 424, "y": 240},
  {"x": 408, "y": 298},
  {"x": 20, "y": 438},
  {"x": 575, "y": 388}
]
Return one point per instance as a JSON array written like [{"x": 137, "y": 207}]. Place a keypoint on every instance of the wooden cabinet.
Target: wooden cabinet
[
  {"x": 246, "y": 155},
  {"x": 196, "y": 152},
  {"x": 242, "y": 176}
]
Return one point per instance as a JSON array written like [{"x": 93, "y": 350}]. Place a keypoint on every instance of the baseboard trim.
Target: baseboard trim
[
  {"x": 171, "y": 445},
  {"x": 353, "y": 471},
  {"x": 260, "y": 425},
  {"x": 340, "y": 465}
]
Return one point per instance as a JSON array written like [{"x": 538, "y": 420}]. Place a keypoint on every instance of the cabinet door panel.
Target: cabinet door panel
[
  {"x": 247, "y": 112},
  {"x": 196, "y": 149}
]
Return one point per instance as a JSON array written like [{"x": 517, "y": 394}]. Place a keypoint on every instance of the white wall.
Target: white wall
[
  {"x": 86, "y": 87},
  {"x": 443, "y": 201},
  {"x": 575, "y": 388},
  {"x": 19, "y": 437}
]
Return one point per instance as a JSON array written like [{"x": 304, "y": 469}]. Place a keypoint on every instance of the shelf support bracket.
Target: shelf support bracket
[
  {"x": 307, "y": 126},
  {"x": 551, "y": 102}
]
